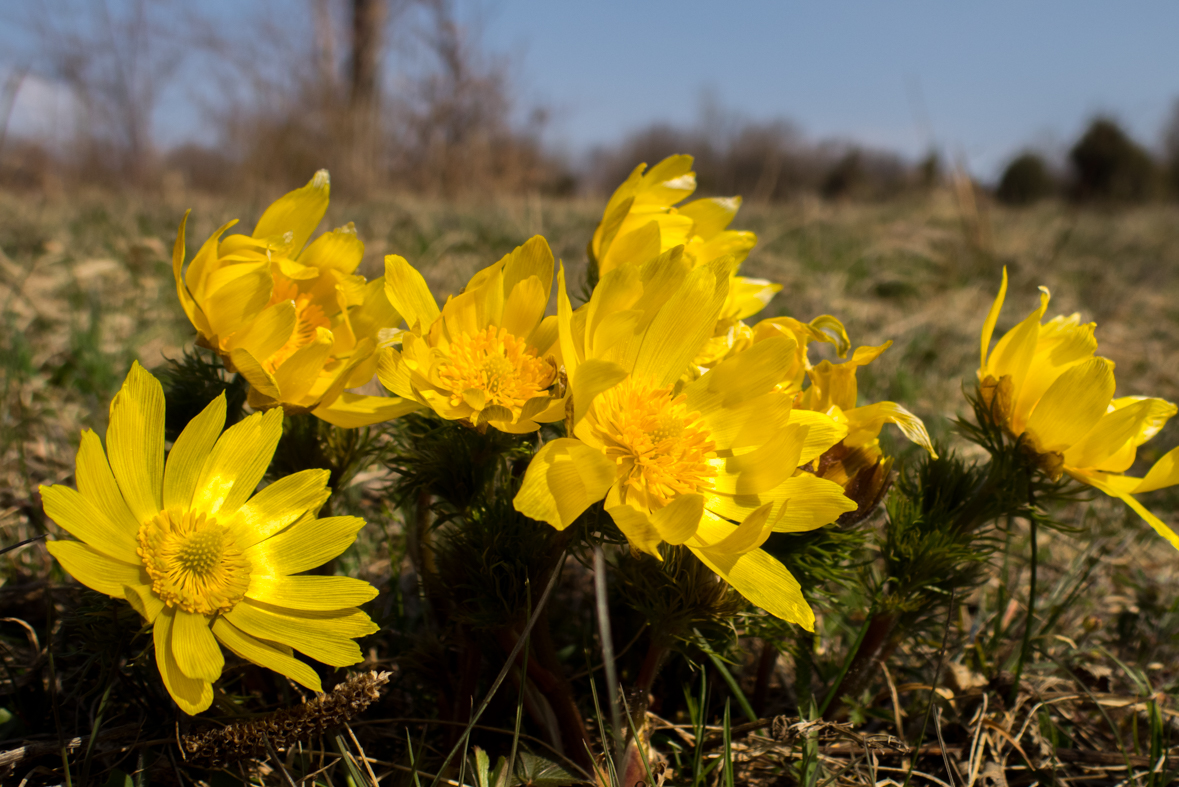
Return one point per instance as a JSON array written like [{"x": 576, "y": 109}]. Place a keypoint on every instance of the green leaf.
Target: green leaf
[
  {"x": 118, "y": 779},
  {"x": 535, "y": 771}
]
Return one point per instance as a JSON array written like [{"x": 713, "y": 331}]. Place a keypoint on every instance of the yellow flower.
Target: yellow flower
[
  {"x": 296, "y": 322},
  {"x": 1042, "y": 383},
  {"x": 857, "y": 462},
  {"x": 640, "y": 223},
  {"x": 485, "y": 357},
  {"x": 676, "y": 464},
  {"x": 197, "y": 556}
]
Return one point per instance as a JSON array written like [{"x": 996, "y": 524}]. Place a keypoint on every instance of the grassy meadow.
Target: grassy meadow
[{"x": 86, "y": 288}]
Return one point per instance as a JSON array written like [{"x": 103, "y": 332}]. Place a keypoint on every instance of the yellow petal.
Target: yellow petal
[
  {"x": 310, "y": 593},
  {"x": 350, "y": 410},
  {"x": 534, "y": 258},
  {"x": 1109, "y": 445},
  {"x": 77, "y": 515},
  {"x": 339, "y": 250},
  {"x": 324, "y": 636},
  {"x": 616, "y": 212},
  {"x": 278, "y": 505},
  {"x": 747, "y": 423},
  {"x": 1062, "y": 344},
  {"x": 135, "y": 442},
  {"x": 711, "y": 215},
  {"x": 593, "y": 377},
  {"x": 763, "y": 468},
  {"x": 297, "y": 374},
  {"x": 832, "y": 330},
  {"x": 822, "y": 432},
  {"x": 195, "y": 315},
  {"x": 680, "y": 329},
  {"x": 564, "y": 478},
  {"x": 96, "y": 570},
  {"x": 749, "y": 296},
  {"x": 237, "y": 295},
  {"x": 307, "y": 544},
  {"x": 205, "y": 262},
  {"x": 191, "y": 694},
  {"x": 614, "y": 338},
  {"x": 865, "y": 423},
  {"x": 679, "y": 520},
  {"x": 723, "y": 537},
  {"x": 1164, "y": 473},
  {"x": 1014, "y": 352},
  {"x": 97, "y": 484},
  {"x": 742, "y": 377},
  {"x": 407, "y": 291},
  {"x": 524, "y": 308},
  {"x": 633, "y": 247},
  {"x": 809, "y": 503},
  {"x": 195, "y": 648},
  {"x": 1072, "y": 405},
  {"x": 1097, "y": 480},
  {"x": 146, "y": 603},
  {"x": 256, "y": 375},
  {"x": 394, "y": 373},
  {"x": 267, "y": 334},
  {"x": 265, "y": 654},
  {"x": 617, "y": 291},
  {"x": 1160, "y": 412},
  {"x": 989, "y": 325},
  {"x": 298, "y": 212},
  {"x": 572, "y": 349},
  {"x": 489, "y": 301},
  {"x": 189, "y": 453},
  {"x": 667, "y": 182},
  {"x": 764, "y": 581},
  {"x": 337, "y": 375},
  {"x": 640, "y": 532},
  {"x": 237, "y": 463}
]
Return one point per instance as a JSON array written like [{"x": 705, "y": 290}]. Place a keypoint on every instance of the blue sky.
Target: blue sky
[{"x": 979, "y": 80}]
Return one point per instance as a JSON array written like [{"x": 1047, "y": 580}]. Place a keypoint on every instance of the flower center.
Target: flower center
[
  {"x": 308, "y": 317},
  {"x": 193, "y": 562},
  {"x": 500, "y": 365},
  {"x": 661, "y": 448}
]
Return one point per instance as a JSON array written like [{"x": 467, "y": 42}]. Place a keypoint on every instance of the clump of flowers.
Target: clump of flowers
[
  {"x": 641, "y": 222},
  {"x": 652, "y": 418},
  {"x": 487, "y": 356},
  {"x": 683, "y": 466},
  {"x": 202, "y": 558},
  {"x": 292, "y": 317},
  {"x": 1043, "y": 384}
]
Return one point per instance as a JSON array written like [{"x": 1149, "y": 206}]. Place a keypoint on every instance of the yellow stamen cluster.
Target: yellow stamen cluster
[
  {"x": 193, "y": 562},
  {"x": 661, "y": 448},
  {"x": 499, "y": 365}
]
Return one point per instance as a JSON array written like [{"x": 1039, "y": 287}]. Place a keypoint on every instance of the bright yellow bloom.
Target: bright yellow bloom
[
  {"x": 485, "y": 358},
  {"x": 681, "y": 464},
  {"x": 640, "y": 223},
  {"x": 296, "y": 322},
  {"x": 857, "y": 462},
  {"x": 1042, "y": 383},
  {"x": 200, "y": 559}
]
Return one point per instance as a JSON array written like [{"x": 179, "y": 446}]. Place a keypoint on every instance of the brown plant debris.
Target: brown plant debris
[{"x": 241, "y": 740}]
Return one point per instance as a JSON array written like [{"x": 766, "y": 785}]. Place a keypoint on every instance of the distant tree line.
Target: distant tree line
[
  {"x": 400, "y": 94},
  {"x": 1104, "y": 165}
]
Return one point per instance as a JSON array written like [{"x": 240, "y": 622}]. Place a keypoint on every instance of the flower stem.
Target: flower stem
[{"x": 1026, "y": 645}]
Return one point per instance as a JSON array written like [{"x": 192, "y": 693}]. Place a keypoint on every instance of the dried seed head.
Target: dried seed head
[{"x": 218, "y": 748}]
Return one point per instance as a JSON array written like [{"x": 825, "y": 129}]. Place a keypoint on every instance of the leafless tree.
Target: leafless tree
[{"x": 117, "y": 59}]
